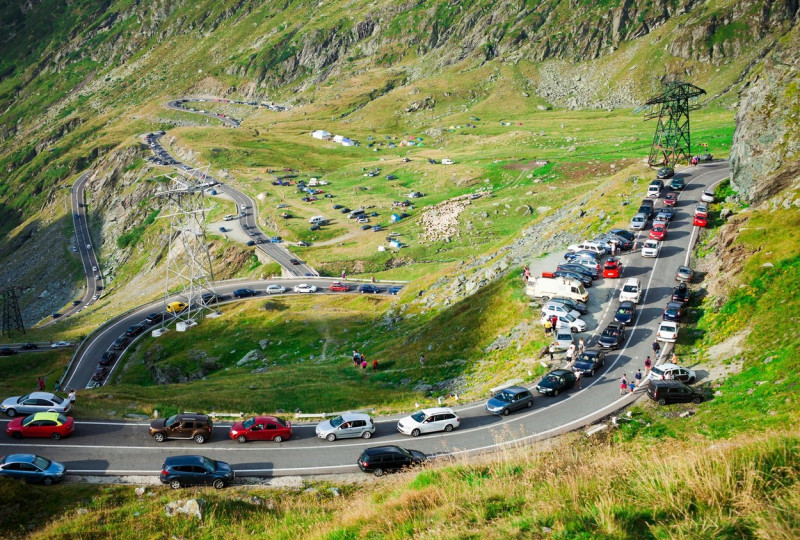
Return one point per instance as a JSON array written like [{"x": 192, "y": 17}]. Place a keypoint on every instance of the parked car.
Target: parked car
[
  {"x": 631, "y": 291},
  {"x": 32, "y": 469},
  {"x": 658, "y": 232},
  {"x": 654, "y": 190},
  {"x": 381, "y": 459},
  {"x": 665, "y": 214},
  {"x": 566, "y": 320},
  {"x": 700, "y": 221},
  {"x": 261, "y": 428},
  {"x": 592, "y": 246},
  {"x": 243, "y": 293},
  {"x": 134, "y": 330},
  {"x": 555, "y": 382},
  {"x": 590, "y": 255},
  {"x": 338, "y": 287},
  {"x": 346, "y": 426},
  {"x": 574, "y": 305},
  {"x": 639, "y": 221},
  {"x": 579, "y": 268},
  {"x": 612, "y": 268},
  {"x": 666, "y": 392},
  {"x": 41, "y": 424},
  {"x": 178, "y": 471},
  {"x": 99, "y": 374},
  {"x": 701, "y": 210},
  {"x": 684, "y": 274},
  {"x": 584, "y": 279},
  {"x": 275, "y": 289},
  {"x": 672, "y": 312},
  {"x": 557, "y": 308},
  {"x": 29, "y": 346},
  {"x": 626, "y": 313},
  {"x": 369, "y": 288},
  {"x": 59, "y": 344},
  {"x": 589, "y": 361},
  {"x": 613, "y": 336},
  {"x": 677, "y": 184},
  {"x": 627, "y": 235},
  {"x": 305, "y": 288},
  {"x": 429, "y": 421},
  {"x": 665, "y": 172},
  {"x": 6, "y": 351},
  {"x": 667, "y": 331},
  {"x": 707, "y": 196},
  {"x": 154, "y": 318},
  {"x": 107, "y": 358},
  {"x": 35, "y": 402},
  {"x": 120, "y": 343},
  {"x": 681, "y": 293},
  {"x": 670, "y": 371},
  {"x": 509, "y": 400},
  {"x": 651, "y": 248},
  {"x": 189, "y": 426}
]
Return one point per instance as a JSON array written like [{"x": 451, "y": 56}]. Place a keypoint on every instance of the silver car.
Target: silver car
[
  {"x": 348, "y": 425},
  {"x": 35, "y": 402},
  {"x": 638, "y": 222}
]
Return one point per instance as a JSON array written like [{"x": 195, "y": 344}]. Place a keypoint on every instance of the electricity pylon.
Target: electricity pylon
[
  {"x": 672, "y": 140},
  {"x": 12, "y": 317}
]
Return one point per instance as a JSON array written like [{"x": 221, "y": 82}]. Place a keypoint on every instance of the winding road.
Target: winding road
[{"x": 125, "y": 448}]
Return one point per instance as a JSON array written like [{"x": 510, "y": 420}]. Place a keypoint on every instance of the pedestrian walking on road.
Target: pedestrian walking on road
[
  {"x": 422, "y": 360},
  {"x": 674, "y": 358},
  {"x": 374, "y": 366},
  {"x": 638, "y": 377},
  {"x": 71, "y": 397},
  {"x": 548, "y": 326},
  {"x": 570, "y": 352},
  {"x": 623, "y": 387},
  {"x": 631, "y": 385},
  {"x": 647, "y": 365},
  {"x": 578, "y": 379},
  {"x": 551, "y": 349},
  {"x": 656, "y": 348},
  {"x": 40, "y": 383},
  {"x": 581, "y": 346}
]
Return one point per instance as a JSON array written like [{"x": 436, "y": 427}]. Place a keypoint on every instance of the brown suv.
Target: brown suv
[{"x": 182, "y": 426}]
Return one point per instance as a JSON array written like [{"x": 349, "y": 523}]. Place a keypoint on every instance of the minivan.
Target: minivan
[
  {"x": 664, "y": 392},
  {"x": 318, "y": 220}
]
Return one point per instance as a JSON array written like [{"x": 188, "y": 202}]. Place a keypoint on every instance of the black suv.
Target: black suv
[
  {"x": 196, "y": 427},
  {"x": 681, "y": 293},
  {"x": 665, "y": 392},
  {"x": 590, "y": 361},
  {"x": 380, "y": 459},
  {"x": 510, "y": 399},
  {"x": 613, "y": 336},
  {"x": 556, "y": 381},
  {"x": 180, "y": 471}
]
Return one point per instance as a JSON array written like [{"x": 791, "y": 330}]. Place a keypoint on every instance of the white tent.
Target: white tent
[
  {"x": 320, "y": 134},
  {"x": 347, "y": 142},
  {"x": 338, "y": 138}
]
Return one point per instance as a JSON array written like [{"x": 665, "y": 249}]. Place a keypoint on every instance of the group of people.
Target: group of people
[
  {"x": 40, "y": 384},
  {"x": 359, "y": 360},
  {"x": 627, "y": 386}
]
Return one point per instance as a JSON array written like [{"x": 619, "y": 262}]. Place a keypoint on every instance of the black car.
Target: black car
[
  {"x": 154, "y": 318},
  {"x": 391, "y": 177},
  {"x": 584, "y": 279},
  {"x": 627, "y": 235},
  {"x": 294, "y": 261},
  {"x": 681, "y": 293},
  {"x": 580, "y": 269},
  {"x": 180, "y": 471},
  {"x": 368, "y": 288},
  {"x": 590, "y": 361},
  {"x": 625, "y": 313},
  {"x": 556, "y": 381},
  {"x": 646, "y": 210},
  {"x": 29, "y": 346},
  {"x": 665, "y": 172},
  {"x": 345, "y": 210},
  {"x": 380, "y": 459},
  {"x": 677, "y": 184},
  {"x": 580, "y": 307},
  {"x": 5, "y": 351},
  {"x": 664, "y": 392},
  {"x": 100, "y": 373},
  {"x": 623, "y": 244},
  {"x": 250, "y": 243},
  {"x": 613, "y": 336},
  {"x": 134, "y": 330},
  {"x": 243, "y": 293},
  {"x": 366, "y": 227},
  {"x": 672, "y": 312},
  {"x": 509, "y": 400},
  {"x": 210, "y": 298},
  {"x": 107, "y": 358},
  {"x": 337, "y": 206},
  {"x": 120, "y": 343}
]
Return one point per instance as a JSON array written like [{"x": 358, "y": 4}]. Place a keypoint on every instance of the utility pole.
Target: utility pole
[
  {"x": 672, "y": 140},
  {"x": 12, "y": 317}
]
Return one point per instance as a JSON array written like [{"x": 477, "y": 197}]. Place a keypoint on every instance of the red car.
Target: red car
[
  {"x": 262, "y": 428},
  {"x": 337, "y": 286},
  {"x": 700, "y": 221},
  {"x": 612, "y": 268},
  {"x": 658, "y": 232},
  {"x": 670, "y": 199},
  {"x": 41, "y": 424}
]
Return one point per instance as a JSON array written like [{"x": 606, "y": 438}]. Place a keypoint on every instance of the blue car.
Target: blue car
[
  {"x": 243, "y": 293},
  {"x": 395, "y": 289},
  {"x": 32, "y": 468},
  {"x": 625, "y": 313},
  {"x": 367, "y": 288}
]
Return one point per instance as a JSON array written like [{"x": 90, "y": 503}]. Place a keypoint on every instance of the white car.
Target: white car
[
  {"x": 672, "y": 371},
  {"x": 667, "y": 331},
  {"x": 707, "y": 196},
  {"x": 305, "y": 288},
  {"x": 428, "y": 421},
  {"x": 94, "y": 269},
  {"x": 57, "y": 344},
  {"x": 557, "y": 308},
  {"x": 651, "y": 248},
  {"x": 594, "y": 247},
  {"x": 275, "y": 289},
  {"x": 631, "y": 291},
  {"x": 569, "y": 321}
]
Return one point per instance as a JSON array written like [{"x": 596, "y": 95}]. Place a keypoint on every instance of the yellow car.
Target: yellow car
[{"x": 176, "y": 307}]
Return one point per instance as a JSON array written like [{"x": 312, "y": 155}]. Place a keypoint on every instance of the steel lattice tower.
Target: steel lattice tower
[
  {"x": 189, "y": 274},
  {"x": 672, "y": 140},
  {"x": 12, "y": 317}
]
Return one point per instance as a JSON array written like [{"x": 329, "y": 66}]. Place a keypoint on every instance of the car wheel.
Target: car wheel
[
  {"x": 545, "y": 298},
  {"x": 662, "y": 401},
  {"x": 415, "y": 433},
  {"x": 47, "y": 480},
  {"x": 506, "y": 411},
  {"x": 691, "y": 380},
  {"x": 555, "y": 392},
  {"x": 449, "y": 427},
  {"x": 242, "y": 439},
  {"x": 366, "y": 434},
  {"x": 698, "y": 399},
  {"x": 159, "y": 437},
  {"x": 11, "y": 413},
  {"x": 218, "y": 484},
  {"x": 16, "y": 435},
  {"x": 530, "y": 404},
  {"x": 199, "y": 438},
  {"x": 331, "y": 437},
  {"x": 175, "y": 484},
  {"x": 277, "y": 438},
  {"x": 55, "y": 436},
  {"x": 378, "y": 472},
  {"x": 591, "y": 373}
]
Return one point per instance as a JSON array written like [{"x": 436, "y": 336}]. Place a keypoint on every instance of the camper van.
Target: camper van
[
  {"x": 547, "y": 288},
  {"x": 318, "y": 220}
]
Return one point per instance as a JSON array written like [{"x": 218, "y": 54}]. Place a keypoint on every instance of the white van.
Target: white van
[
  {"x": 318, "y": 220},
  {"x": 631, "y": 291},
  {"x": 447, "y": 161},
  {"x": 548, "y": 288}
]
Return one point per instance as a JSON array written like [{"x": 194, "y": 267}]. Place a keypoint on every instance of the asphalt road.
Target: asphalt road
[
  {"x": 119, "y": 448},
  {"x": 191, "y": 105}
]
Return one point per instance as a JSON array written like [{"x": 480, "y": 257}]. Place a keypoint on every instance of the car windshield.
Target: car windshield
[
  {"x": 672, "y": 310},
  {"x": 610, "y": 332},
  {"x": 62, "y": 419},
  {"x": 638, "y": 219},
  {"x": 551, "y": 378},
  {"x": 336, "y": 422},
  {"x": 504, "y": 397},
  {"x": 42, "y": 463},
  {"x": 171, "y": 420},
  {"x": 23, "y": 398},
  {"x": 418, "y": 416},
  {"x": 209, "y": 464},
  {"x": 28, "y": 419},
  {"x": 586, "y": 358},
  {"x": 247, "y": 424},
  {"x": 629, "y": 288},
  {"x": 567, "y": 317},
  {"x": 405, "y": 452},
  {"x": 668, "y": 327},
  {"x": 624, "y": 311}
]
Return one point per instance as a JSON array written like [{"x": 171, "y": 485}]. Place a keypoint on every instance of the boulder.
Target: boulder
[
  {"x": 190, "y": 507},
  {"x": 252, "y": 356}
]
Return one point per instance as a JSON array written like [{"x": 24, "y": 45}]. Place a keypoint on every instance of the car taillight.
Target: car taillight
[{"x": 163, "y": 472}]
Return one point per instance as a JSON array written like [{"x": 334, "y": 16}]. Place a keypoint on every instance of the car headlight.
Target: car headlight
[{"x": 234, "y": 432}]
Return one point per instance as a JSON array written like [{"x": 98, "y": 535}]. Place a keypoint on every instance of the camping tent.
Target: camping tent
[{"x": 320, "y": 134}]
